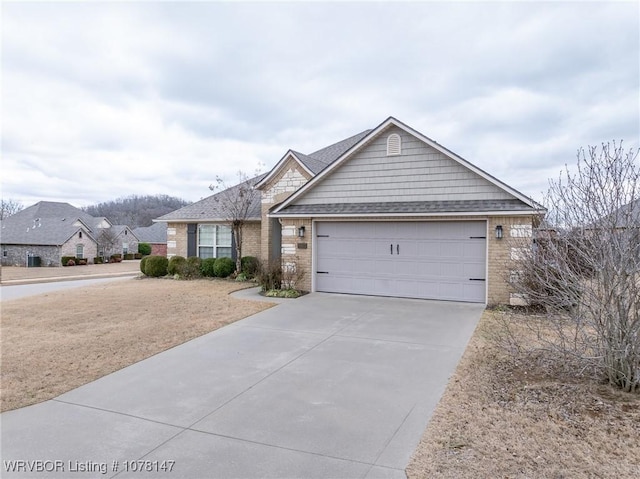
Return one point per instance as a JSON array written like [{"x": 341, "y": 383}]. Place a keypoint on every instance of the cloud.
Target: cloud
[{"x": 102, "y": 100}]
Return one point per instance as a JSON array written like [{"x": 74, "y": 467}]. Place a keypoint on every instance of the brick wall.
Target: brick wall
[
  {"x": 296, "y": 251},
  {"x": 16, "y": 255},
  {"x": 177, "y": 243},
  {"x": 90, "y": 248},
  {"x": 288, "y": 179},
  {"x": 176, "y": 239}
]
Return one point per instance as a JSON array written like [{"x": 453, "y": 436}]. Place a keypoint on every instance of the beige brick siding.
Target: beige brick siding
[
  {"x": 251, "y": 239},
  {"x": 177, "y": 244}
]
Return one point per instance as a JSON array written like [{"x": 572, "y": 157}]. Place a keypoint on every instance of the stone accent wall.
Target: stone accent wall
[
  {"x": 289, "y": 178},
  {"x": 516, "y": 233},
  {"x": 177, "y": 243},
  {"x": 16, "y": 255},
  {"x": 297, "y": 252}
]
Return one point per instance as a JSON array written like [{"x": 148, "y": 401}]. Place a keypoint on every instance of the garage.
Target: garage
[{"x": 444, "y": 260}]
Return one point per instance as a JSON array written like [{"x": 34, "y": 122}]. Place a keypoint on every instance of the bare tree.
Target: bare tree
[
  {"x": 584, "y": 270},
  {"x": 107, "y": 241},
  {"x": 9, "y": 207},
  {"x": 236, "y": 206}
]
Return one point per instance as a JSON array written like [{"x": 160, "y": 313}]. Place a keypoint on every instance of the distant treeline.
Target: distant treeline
[{"x": 134, "y": 210}]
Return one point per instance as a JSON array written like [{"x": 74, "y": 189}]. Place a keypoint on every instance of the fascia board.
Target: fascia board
[{"x": 402, "y": 215}]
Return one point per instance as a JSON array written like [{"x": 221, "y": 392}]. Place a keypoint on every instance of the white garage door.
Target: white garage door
[{"x": 432, "y": 260}]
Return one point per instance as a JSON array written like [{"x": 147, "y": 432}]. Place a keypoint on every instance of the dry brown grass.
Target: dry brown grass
[
  {"x": 53, "y": 343},
  {"x": 509, "y": 416}
]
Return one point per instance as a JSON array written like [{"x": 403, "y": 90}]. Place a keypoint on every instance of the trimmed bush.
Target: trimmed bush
[
  {"x": 191, "y": 269},
  {"x": 144, "y": 248},
  {"x": 97, "y": 260},
  {"x": 156, "y": 266},
  {"x": 128, "y": 256},
  {"x": 250, "y": 266},
  {"x": 176, "y": 264},
  {"x": 206, "y": 267},
  {"x": 138, "y": 255},
  {"x": 223, "y": 267},
  {"x": 142, "y": 263},
  {"x": 81, "y": 261},
  {"x": 71, "y": 262},
  {"x": 65, "y": 260}
]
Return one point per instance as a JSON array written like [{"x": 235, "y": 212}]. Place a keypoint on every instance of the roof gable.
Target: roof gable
[
  {"x": 414, "y": 180},
  {"x": 315, "y": 162},
  {"x": 45, "y": 223}
]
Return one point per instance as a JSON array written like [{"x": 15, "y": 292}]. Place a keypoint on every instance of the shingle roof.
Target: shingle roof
[
  {"x": 156, "y": 233},
  {"x": 406, "y": 207},
  {"x": 45, "y": 223},
  {"x": 211, "y": 209},
  {"x": 319, "y": 160}
]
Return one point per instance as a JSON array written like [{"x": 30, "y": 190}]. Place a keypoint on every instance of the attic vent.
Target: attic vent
[{"x": 393, "y": 144}]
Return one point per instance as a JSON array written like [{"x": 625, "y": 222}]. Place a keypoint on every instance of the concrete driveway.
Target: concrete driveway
[{"x": 327, "y": 386}]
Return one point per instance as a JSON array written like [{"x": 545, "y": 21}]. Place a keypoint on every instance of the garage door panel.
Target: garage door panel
[{"x": 435, "y": 260}]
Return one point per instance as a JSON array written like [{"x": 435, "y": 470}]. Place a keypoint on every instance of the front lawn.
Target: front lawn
[{"x": 56, "y": 342}]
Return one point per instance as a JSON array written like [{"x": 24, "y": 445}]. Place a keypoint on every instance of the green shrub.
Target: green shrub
[
  {"x": 250, "y": 266},
  {"x": 206, "y": 267},
  {"x": 98, "y": 260},
  {"x": 81, "y": 261},
  {"x": 144, "y": 248},
  {"x": 175, "y": 264},
  {"x": 138, "y": 255},
  {"x": 156, "y": 266},
  {"x": 191, "y": 268},
  {"x": 223, "y": 267},
  {"x": 128, "y": 256},
  {"x": 143, "y": 261},
  {"x": 65, "y": 260}
]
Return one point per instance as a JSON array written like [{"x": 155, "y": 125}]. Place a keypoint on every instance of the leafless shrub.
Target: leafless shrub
[
  {"x": 292, "y": 273},
  {"x": 584, "y": 269}
]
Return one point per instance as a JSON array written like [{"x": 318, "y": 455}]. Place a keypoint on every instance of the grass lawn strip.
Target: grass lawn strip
[
  {"x": 53, "y": 343},
  {"x": 505, "y": 416}
]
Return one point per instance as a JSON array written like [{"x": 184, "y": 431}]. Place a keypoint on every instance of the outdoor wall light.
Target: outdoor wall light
[
  {"x": 301, "y": 232},
  {"x": 499, "y": 232}
]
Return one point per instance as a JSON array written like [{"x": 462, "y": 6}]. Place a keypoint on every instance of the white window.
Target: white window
[
  {"x": 125, "y": 247},
  {"x": 394, "y": 146},
  {"x": 214, "y": 241},
  {"x": 79, "y": 251}
]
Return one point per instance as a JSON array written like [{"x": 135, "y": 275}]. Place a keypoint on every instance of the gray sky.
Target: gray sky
[{"x": 103, "y": 100}]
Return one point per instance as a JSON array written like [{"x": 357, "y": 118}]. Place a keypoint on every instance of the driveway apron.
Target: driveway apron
[{"x": 323, "y": 386}]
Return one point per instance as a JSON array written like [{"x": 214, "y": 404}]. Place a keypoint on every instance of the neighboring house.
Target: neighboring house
[
  {"x": 386, "y": 212},
  {"x": 50, "y": 230},
  {"x": 155, "y": 235}
]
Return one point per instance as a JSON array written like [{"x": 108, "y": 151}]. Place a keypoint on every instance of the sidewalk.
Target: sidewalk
[{"x": 18, "y": 275}]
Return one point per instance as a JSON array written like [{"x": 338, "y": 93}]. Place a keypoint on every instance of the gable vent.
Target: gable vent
[{"x": 393, "y": 144}]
